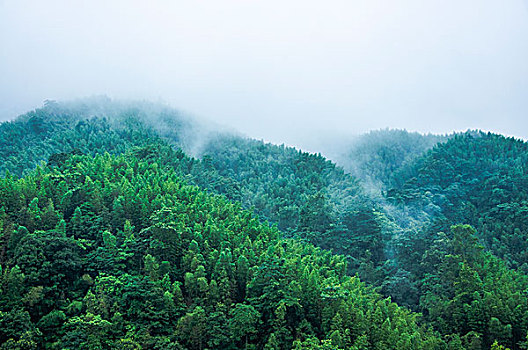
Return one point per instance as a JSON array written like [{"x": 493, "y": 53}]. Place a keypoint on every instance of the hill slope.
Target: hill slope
[
  {"x": 306, "y": 195},
  {"x": 476, "y": 178},
  {"x": 118, "y": 252},
  {"x": 403, "y": 244}
]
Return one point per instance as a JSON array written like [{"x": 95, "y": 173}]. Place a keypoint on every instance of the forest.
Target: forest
[{"x": 132, "y": 226}]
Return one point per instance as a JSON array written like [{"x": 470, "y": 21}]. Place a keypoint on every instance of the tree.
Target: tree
[
  {"x": 192, "y": 328},
  {"x": 243, "y": 322}
]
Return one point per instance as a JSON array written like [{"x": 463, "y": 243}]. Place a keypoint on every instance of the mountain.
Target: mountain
[
  {"x": 306, "y": 195},
  {"x": 135, "y": 188},
  {"x": 429, "y": 183},
  {"x": 120, "y": 252},
  {"x": 475, "y": 178},
  {"x": 91, "y": 126}
]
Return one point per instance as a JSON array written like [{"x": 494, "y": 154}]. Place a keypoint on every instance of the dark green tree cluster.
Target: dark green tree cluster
[
  {"x": 90, "y": 126},
  {"x": 479, "y": 179},
  {"x": 121, "y": 253},
  {"x": 308, "y": 197},
  {"x": 34, "y": 137},
  {"x": 471, "y": 293}
]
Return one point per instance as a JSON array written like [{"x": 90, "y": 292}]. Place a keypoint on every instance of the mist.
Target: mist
[{"x": 286, "y": 72}]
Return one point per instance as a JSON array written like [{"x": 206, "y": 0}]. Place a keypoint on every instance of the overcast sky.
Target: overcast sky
[{"x": 284, "y": 71}]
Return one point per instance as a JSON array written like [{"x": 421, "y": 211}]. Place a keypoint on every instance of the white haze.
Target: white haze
[{"x": 284, "y": 71}]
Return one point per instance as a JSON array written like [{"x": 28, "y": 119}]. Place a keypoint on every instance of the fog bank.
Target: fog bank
[{"x": 282, "y": 71}]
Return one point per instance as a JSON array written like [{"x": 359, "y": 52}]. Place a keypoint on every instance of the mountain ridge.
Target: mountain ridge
[{"x": 399, "y": 240}]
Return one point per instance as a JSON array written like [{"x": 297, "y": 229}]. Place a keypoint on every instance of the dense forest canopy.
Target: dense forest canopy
[{"x": 133, "y": 226}]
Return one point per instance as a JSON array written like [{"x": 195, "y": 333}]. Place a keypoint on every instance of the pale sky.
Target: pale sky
[{"x": 285, "y": 71}]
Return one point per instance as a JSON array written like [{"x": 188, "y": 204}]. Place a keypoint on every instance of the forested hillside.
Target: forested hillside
[
  {"x": 476, "y": 178},
  {"x": 306, "y": 195},
  {"x": 90, "y": 126},
  {"x": 133, "y": 249},
  {"x": 119, "y": 252}
]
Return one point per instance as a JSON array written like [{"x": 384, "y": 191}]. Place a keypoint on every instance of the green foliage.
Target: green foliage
[
  {"x": 306, "y": 195},
  {"x": 171, "y": 266},
  {"x": 476, "y": 178},
  {"x": 470, "y": 292},
  {"x": 121, "y": 251}
]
